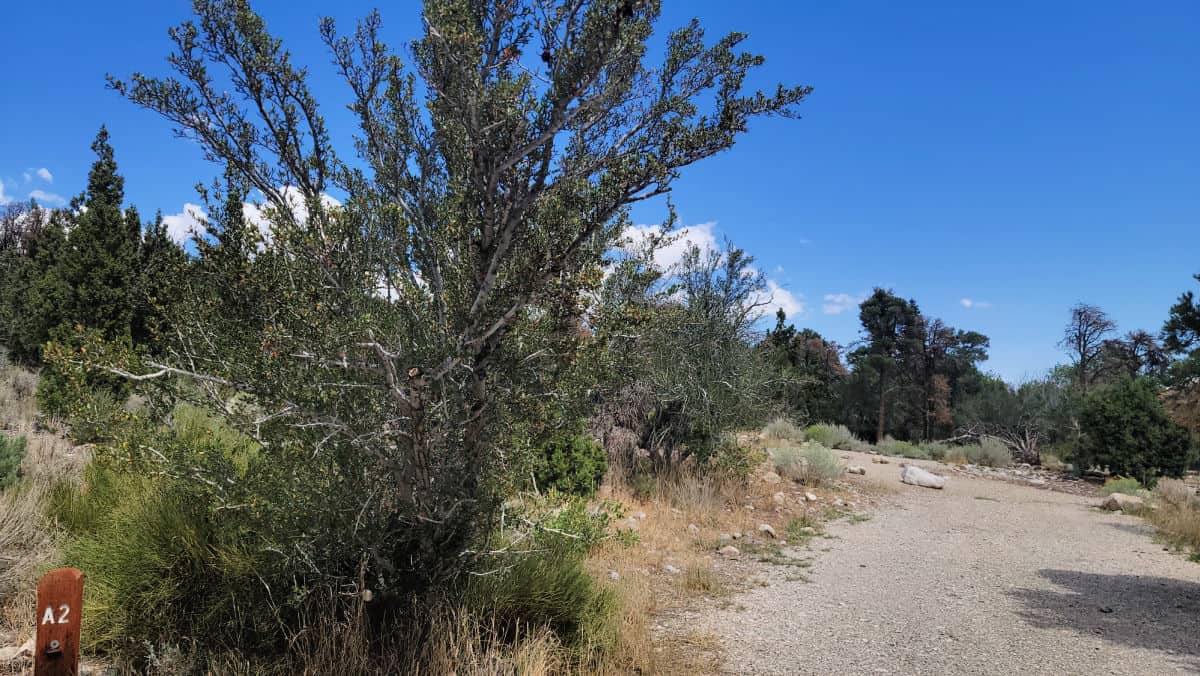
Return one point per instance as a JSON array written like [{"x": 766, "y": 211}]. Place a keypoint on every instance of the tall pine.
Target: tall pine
[{"x": 102, "y": 269}]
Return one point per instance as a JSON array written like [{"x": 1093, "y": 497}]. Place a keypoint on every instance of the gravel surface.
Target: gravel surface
[{"x": 983, "y": 577}]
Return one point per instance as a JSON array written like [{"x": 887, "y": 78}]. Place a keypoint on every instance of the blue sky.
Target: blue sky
[{"x": 1023, "y": 155}]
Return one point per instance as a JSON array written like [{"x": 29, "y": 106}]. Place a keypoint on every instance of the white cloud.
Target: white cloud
[
  {"x": 47, "y": 198},
  {"x": 44, "y": 174},
  {"x": 182, "y": 225},
  {"x": 837, "y": 303},
  {"x": 4, "y": 199},
  {"x": 975, "y": 304},
  {"x": 699, "y": 235},
  {"x": 783, "y": 299}
]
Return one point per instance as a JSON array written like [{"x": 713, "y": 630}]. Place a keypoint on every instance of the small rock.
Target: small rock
[
  {"x": 729, "y": 551},
  {"x": 749, "y": 508},
  {"x": 671, "y": 570},
  {"x": 737, "y": 535},
  {"x": 772, "y": 478},
  {"x": 884, "y": 461},
  {"x": 1119, "y": 502},
  {"x": 768, "y": 530},
  {"x": 725, "y": 537},
  {"x": 779, "y": 498},
  {"x": 1106, "y": 609},
  {"x": 810, "y": 497},
  {"x": 640, "y": 516},
  {"x": 856, "y": 469},
  {"x": 693, "y": 528},
  {"x": 614, "y": 575}
]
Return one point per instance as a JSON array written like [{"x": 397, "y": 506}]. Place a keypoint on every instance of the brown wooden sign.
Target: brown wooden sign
[{"x": 59, "y": 608}]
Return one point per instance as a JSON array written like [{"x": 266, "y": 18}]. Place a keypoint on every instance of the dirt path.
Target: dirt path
[{"x": 983, "y": 577}]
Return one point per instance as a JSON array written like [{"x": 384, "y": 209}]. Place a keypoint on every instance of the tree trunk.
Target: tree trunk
[{"x": 882, "y": 407}]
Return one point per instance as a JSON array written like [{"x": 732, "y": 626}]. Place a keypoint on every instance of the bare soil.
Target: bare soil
[{"x": 983, "y": 577}]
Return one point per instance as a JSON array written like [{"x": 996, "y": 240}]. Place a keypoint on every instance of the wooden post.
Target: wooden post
[{"x": 59, "y": 607}]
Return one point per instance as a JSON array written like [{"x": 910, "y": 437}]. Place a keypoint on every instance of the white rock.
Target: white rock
[
  {"x": 641, "y": 516},
  {"x": 1119, "y": 502},
  {"x": 671, "y": 570},
  {"x": 693, "y": 528},
  {"x": 768, "y": 530},
  {"x": 737, "y": 535},
  {"x": 856, "y": 469},
  {"x": 810, "y": 497},
  {"x": 911, "y": 474},
  {"x": 725, "y": 537},
  {"x": 779, "y": 498},
  {"x": 729, "y": 551},
  {"x": 749, "y": 508},
  {"x": 614, "y": 575}
]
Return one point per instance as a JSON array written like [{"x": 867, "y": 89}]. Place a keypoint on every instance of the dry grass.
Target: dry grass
[
  {"x": 28, "y": 542},
  {"x": 1053, "y": 463},
  {"x": 18, "y": 400},
  {"x": 1177, "y": 515}
]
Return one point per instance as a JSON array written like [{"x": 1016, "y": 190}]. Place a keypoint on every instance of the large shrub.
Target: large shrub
[
  {"x": 571, "y": 463},
  {"x": 1127, "y": 431},
  {"x": 12, "y": 453}
]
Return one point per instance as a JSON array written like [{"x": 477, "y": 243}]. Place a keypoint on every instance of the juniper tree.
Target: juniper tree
[{"x": 390, "y": 344}]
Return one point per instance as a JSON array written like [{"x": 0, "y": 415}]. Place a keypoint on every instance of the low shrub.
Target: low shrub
[
  {"x": 543, "y": 582},
  {"x": 730, "y": 461},
  {"x": 1053, "y": 463},
  {"x": 12, "y": 454},
  {"x": 835, "y": 436},
  {"x": 989, "y": 453},
  {"x": 572, "y": 463},
  {"x": 937, "y": 450},
  {"x": 904, "y": 449},
  {"x": 1178, "y": 524},
  {"x": 1126, "y": 485},
  {"x": 810, "y": 463},
  {"x": 1177, "y": 493},
  {"x": 782, "y": 429},
  {"x": 159, "y": 568}
]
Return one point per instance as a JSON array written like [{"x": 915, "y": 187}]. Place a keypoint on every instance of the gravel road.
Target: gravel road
[{"x": 983, "y": 577}]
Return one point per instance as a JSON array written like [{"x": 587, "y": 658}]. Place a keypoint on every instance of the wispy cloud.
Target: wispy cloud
[
  {"x": 837, "y": 303},
  {"x": 44, "y": 174},
  {"x": 48, "y": 198},
  {"x": 4, "y": 199},
  {"x": 972, "y": 304}
]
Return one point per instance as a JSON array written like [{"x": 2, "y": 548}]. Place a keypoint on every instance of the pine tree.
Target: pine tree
[
  {"x": 161, "y": 267},
  {"x": 102, "y": 266}
]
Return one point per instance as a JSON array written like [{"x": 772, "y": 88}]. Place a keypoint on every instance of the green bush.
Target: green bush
[
  {"x": 835, "y": 436},
  {"x": 936, "y": 450},
  {"x": 1127, "y": 431},
  {"x": 1126, "y": 485},
  {"x": 989, "y": 452},
  {"x": 573, "y": 464},
  {"x": 904, "y": 449},
  {"x": 731, "y": 461},
  {"x": 782, "y": 429},
  {"x": 810, "y": 463},
  {"x": 12, "y": 453},
  {"x": 160, "y": 568},
  {"x": 547, "y": 584}
]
